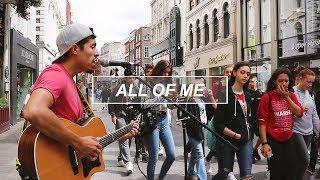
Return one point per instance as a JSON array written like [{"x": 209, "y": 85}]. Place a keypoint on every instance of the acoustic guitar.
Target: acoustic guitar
[{"x": 47, "y": 159}]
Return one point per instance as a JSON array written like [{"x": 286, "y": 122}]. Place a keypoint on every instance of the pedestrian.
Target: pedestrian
[
  {"x": 232, "y": 123},
  {"x": 276, "y": 112},
  {"x": 195, "y": 134},
  {"x": 254, "y": 100},
  {"x": 118, "y": 113},
  {"x": 307, "y": 125},
  {"x": 162, "y": 131},
  {"x": 140, "y": 147}
]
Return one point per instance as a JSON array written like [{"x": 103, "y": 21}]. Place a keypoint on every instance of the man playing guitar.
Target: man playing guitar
[{"x": 55, "y": 96}]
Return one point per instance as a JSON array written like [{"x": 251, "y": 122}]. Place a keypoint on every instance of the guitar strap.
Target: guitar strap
[{"x": 86, "y": 106}]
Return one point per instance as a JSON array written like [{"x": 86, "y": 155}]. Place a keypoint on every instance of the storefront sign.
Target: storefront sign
[
  {"x": 312, "y": 43},
  {"x": 218, "y": 58},
  {"x": 315, "y": 63},
  {"x": 197, "y": 63},
  {"x": 28, "y": 55}
]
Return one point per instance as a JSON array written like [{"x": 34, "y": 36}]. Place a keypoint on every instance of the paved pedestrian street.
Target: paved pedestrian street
[{"x": 8, "y": 151}]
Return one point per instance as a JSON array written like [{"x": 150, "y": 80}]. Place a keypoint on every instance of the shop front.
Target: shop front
[
  {"x": 24, "y": 64},
  {"x": 299, "y": 33}
]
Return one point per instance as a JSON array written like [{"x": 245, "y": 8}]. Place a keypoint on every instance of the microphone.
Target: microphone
[{"x": 124, "y": 64}]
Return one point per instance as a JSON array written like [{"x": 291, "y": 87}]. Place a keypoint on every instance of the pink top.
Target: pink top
[{"x": 59, "y": 83}]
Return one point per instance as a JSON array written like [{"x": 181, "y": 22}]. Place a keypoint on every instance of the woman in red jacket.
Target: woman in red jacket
[{"x": 276, "y": 113}]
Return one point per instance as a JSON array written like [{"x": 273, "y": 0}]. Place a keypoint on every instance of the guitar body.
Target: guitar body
[{"x": 47, "y": 159}]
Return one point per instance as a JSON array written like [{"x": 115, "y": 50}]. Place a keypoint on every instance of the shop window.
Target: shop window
[
  {"x": 206, "y": 30},
  {"x": 300, "y": 36},
  {"x": 191, "y": 37},
  {"x": 226, "y": 21},
  {"x": 198, "y": 33},
  {"x": 298, "y": 3},
  {"x": 215, "y": 26}
]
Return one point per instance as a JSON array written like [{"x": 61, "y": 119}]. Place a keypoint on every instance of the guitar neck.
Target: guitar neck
[{"x": 111, "y": 137}]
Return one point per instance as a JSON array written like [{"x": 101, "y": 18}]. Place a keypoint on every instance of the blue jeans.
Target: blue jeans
[
  {"x": 151, "y": 141},
  {"x": 226, "y": 154},
  {"x": 196, "y": 163}
]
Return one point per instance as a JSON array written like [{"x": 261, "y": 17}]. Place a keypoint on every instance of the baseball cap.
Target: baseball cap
[{"x": 70, "y": 35}]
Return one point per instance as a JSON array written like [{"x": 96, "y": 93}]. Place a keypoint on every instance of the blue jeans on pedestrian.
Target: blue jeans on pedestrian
[
  {"x": 151, "y": 141},
  {"x": 226, "y": 154},
  {"x": 197, "y": 166}
]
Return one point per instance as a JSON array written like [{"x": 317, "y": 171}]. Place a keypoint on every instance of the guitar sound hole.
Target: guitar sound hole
[{"x": 89, "y": 165}]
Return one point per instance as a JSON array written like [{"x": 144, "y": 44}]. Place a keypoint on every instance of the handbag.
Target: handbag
[
  {"x": 211, "y": 138},
  {"x": 147, "y": 124}
]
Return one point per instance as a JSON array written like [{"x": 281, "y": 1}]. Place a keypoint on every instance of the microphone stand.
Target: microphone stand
[{"x": 190, "y": 115}]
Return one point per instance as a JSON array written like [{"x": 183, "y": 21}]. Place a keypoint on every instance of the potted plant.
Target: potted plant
[{"x": 4, "y": 114}]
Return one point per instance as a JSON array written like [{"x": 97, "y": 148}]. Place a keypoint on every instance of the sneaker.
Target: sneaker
[
  {"x": 310, "y": 172},
  {"x": 120, "y": 163},
  {"x": 209, "y": 168},
  {"x": 267, "y": 177},
  {"x": 256, "y": 155},
  {"x": 129, "y": 168},
  {"x": 231, "y": 176},
  {"x": 145, "y": 159},
  {"x": 160, "y": 153}
]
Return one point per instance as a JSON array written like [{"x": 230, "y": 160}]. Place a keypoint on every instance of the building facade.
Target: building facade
[
  {"x": 112, "y": 51},
  {"x": 168, "y": 33},
  {"x": 275, "y": 33},
  {"x": 142, "y": 45},
  {"x": 51, "y": 17},
  {"x": 160, "y": 12},
  {"x": 211, "y": 37}
]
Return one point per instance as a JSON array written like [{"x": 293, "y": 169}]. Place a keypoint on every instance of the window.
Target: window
[
  {"x": 215, "y": 26},
  {"x": 206, "y": 30},
  {"x": 265, "y": 21},
  {"x": 146, "y": 37},
  {"x": 146, "y": 52},
  {"x": 226, "y": 21},
  {"x": 251, "y": 30},
  {"x": 191, "y": 37},
  {"x": 38, "y": 20},
  {"x": 38, "y": 12},
  {"x": 290, "y": 15},
  {"x": 198, "y": 34},
  {"x": 37, "y": 28},
  {"x": 191, "y": 3},
  {"x": 300, "y": 37},
  {"x": 37, "y": 38}
]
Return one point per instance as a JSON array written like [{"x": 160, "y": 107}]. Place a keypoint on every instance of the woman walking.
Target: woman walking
[
  {"x": 305, "y": 126},
  {"x": 232, "y": 123},
  {"x": 276, "y": 112},
  {"x": 162, "y": 131}
]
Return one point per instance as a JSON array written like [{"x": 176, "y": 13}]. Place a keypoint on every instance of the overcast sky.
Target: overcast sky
[{"x": 112, "y": 20}]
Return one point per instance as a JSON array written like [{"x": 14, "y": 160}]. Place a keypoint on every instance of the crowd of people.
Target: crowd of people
[{"x": 284, "y": 117}]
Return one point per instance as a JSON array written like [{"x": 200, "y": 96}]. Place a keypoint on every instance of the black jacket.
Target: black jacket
[
  {"x": 231, "y": 116},
  {"x": 194, "y": 129},
  {"x": 254, "y": 100}
]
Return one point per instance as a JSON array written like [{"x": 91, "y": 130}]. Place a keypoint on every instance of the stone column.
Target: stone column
[
  {"x": 211, "y": 30},
  {"x": 194, "y": 30},
  {"x": 221, "y": 26},
  {"x": 202, "y": 35}
]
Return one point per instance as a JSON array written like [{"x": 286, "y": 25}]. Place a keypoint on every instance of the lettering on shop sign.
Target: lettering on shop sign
[
  {"x": 197, "y": 63},
  {"x": 29, "y": 56},
  {"x": 313, "y": 43},
  {"x": 218, "y": 58}
]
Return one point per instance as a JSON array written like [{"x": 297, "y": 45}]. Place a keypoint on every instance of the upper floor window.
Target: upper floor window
[
  {"x": 215, "y": 26},
  {"x": 226, "y": 20}
]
